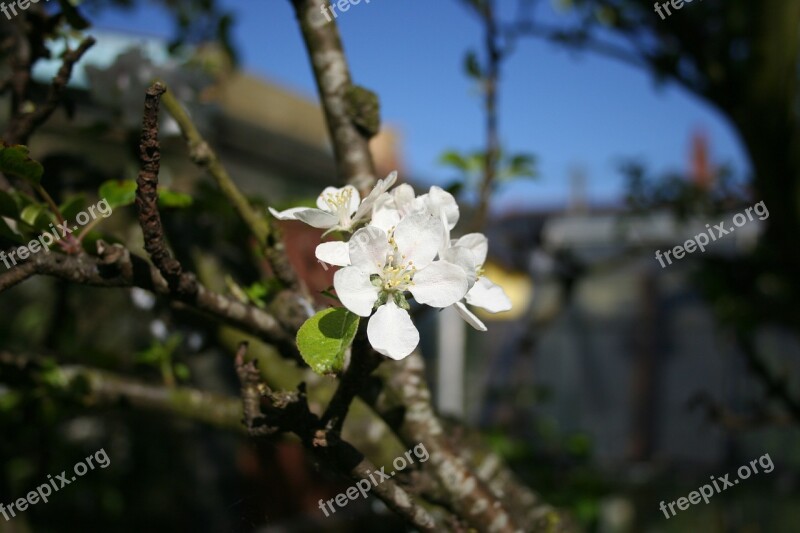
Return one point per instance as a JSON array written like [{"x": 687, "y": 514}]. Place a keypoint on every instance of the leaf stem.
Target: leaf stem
[{"x": 50, "y": 202}]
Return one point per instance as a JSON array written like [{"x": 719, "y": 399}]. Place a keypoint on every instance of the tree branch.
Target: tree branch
[
  {"x": 339, "y": 97},
  {"x": 99, "y": 387},
  {"x": 201, "y": 153},
  {"x": 117, "y": 267},
  {"x": 22, "y": 125},
  {"x": 290, "y": 412},
  {"x": 184, "y": 285},
  {"x": 467, "y": 494}
]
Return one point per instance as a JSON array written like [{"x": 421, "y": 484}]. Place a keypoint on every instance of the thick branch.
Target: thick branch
[
  {"x": 290, "y": 412},
  {"x": 468, "y": 495},
  {"x": 117, "y": 267},
  {"x": 337, "y": 94},
  {"x": 99, "y": 387}
]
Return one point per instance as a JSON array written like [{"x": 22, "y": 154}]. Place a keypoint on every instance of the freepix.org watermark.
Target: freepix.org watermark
[
  {"x": 676, "y": 4},
  {"x": 23, "y": 5},
  {"x": 342, "y": 5},
  {"x": 702, "y": 240},
  {"x": 362, "y": 488},
  {"x": 43, "y": 491},
  {"x": 707, "y": 491},
  {"x": 44, "y": 240}
]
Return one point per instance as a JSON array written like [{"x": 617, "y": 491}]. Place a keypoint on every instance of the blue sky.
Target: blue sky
[{"x": 568, "y": 109}]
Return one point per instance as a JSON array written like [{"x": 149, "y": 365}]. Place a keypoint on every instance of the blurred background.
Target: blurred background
[{"x": 613, "y": 384}]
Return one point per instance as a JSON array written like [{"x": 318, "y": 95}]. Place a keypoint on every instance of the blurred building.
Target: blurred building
[{"x": 614, "y": 347}]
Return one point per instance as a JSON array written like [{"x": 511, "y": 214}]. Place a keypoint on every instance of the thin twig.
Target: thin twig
[
  {"x": 21, "y": 126},
  {"x": 201, "y": 153},
  {"x": 183, "y": 284},
  {"x": 490, "y": 81}
]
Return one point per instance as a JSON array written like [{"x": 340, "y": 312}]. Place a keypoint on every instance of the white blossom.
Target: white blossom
[
  {"x": 469, "y": 253},
  {"x": 400, "y": 246},
  {"x": 338, "y": 209},
  {"x": 383, "y": 267}
]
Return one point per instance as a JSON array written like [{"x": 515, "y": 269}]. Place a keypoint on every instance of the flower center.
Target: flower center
[
  {"x": 339, "y": 204},
  {"x": 398, "y": 277}
]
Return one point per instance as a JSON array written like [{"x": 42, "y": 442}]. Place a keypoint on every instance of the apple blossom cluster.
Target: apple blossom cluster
[{"x": 399, "y": 247}]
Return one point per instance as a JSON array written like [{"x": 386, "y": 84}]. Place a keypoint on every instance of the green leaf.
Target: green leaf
[
  {"x": 73, "y": 206},
  {"x": 454, "y": 159},
  {"x": 521, "y": 165},
  {"x": 8, "y": 207},
  {"x": 8, "y": 233},
  {"x": 324, "y": 337},
  {"x": 182, "y": 372},
  {"x": 471, "y": 65},
  {"x": 118, "y": 193},
  {"x": 37, "y": 216},
  {"x": 167, "y": 198},
  {"x": 23, "y": 200},
  {"x": 16, "y": 161},
  {"x": 401, "y": 301},
  {"x": 455, "y": 187}
]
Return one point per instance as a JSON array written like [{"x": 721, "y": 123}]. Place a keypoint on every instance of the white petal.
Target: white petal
[
  {"x": 439, "y": 284},
  {"x": 321, "y": 203},
  {"x": 368, "y": 248},
  {"x": 419, "y": 238},
  {"x": 381, "y": 187},
  {"x": 355, "y": 200},
  {"x": 463, "y": 258},
  {"x": 478, "y": 243},
  {"x": 289, "y": 214},
  {"x": 391, "y": 331},
  {"x": 403, "y": 196},
  {"x": 442, "y": 202},
  {"x": 355, "y": 290},
  {"x": 489, "y": 296},
  {"x": 317, "y": 218},
  {"x": 470, "y": 319},
  {"x": 384, "y": 213},
  {"x": 334, "y": 253}
]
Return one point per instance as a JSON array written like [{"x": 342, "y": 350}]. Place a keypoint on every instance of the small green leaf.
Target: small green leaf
[
  {"x": 73, "y": 206},
  {"x": 521, "y": 165},
  {"x": 455, "y": 188},
  {"x": 181, "y": 371},
  {"x": 118, "y": 193},
  {"x": 7, "y": 233},
  {"x": 15, "y": 160},
  {"x": 472, "y": 66},
  {"x": 383, "y": 296},
  {"x": 401, "y": 301},
  {"x": 37, "y": 216},
  {"x": 8, "y": 207},
  {"x": 167, "y": 198},
  {"x": 453, "y": 159},
  {"x": 324, "y": 337}
]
